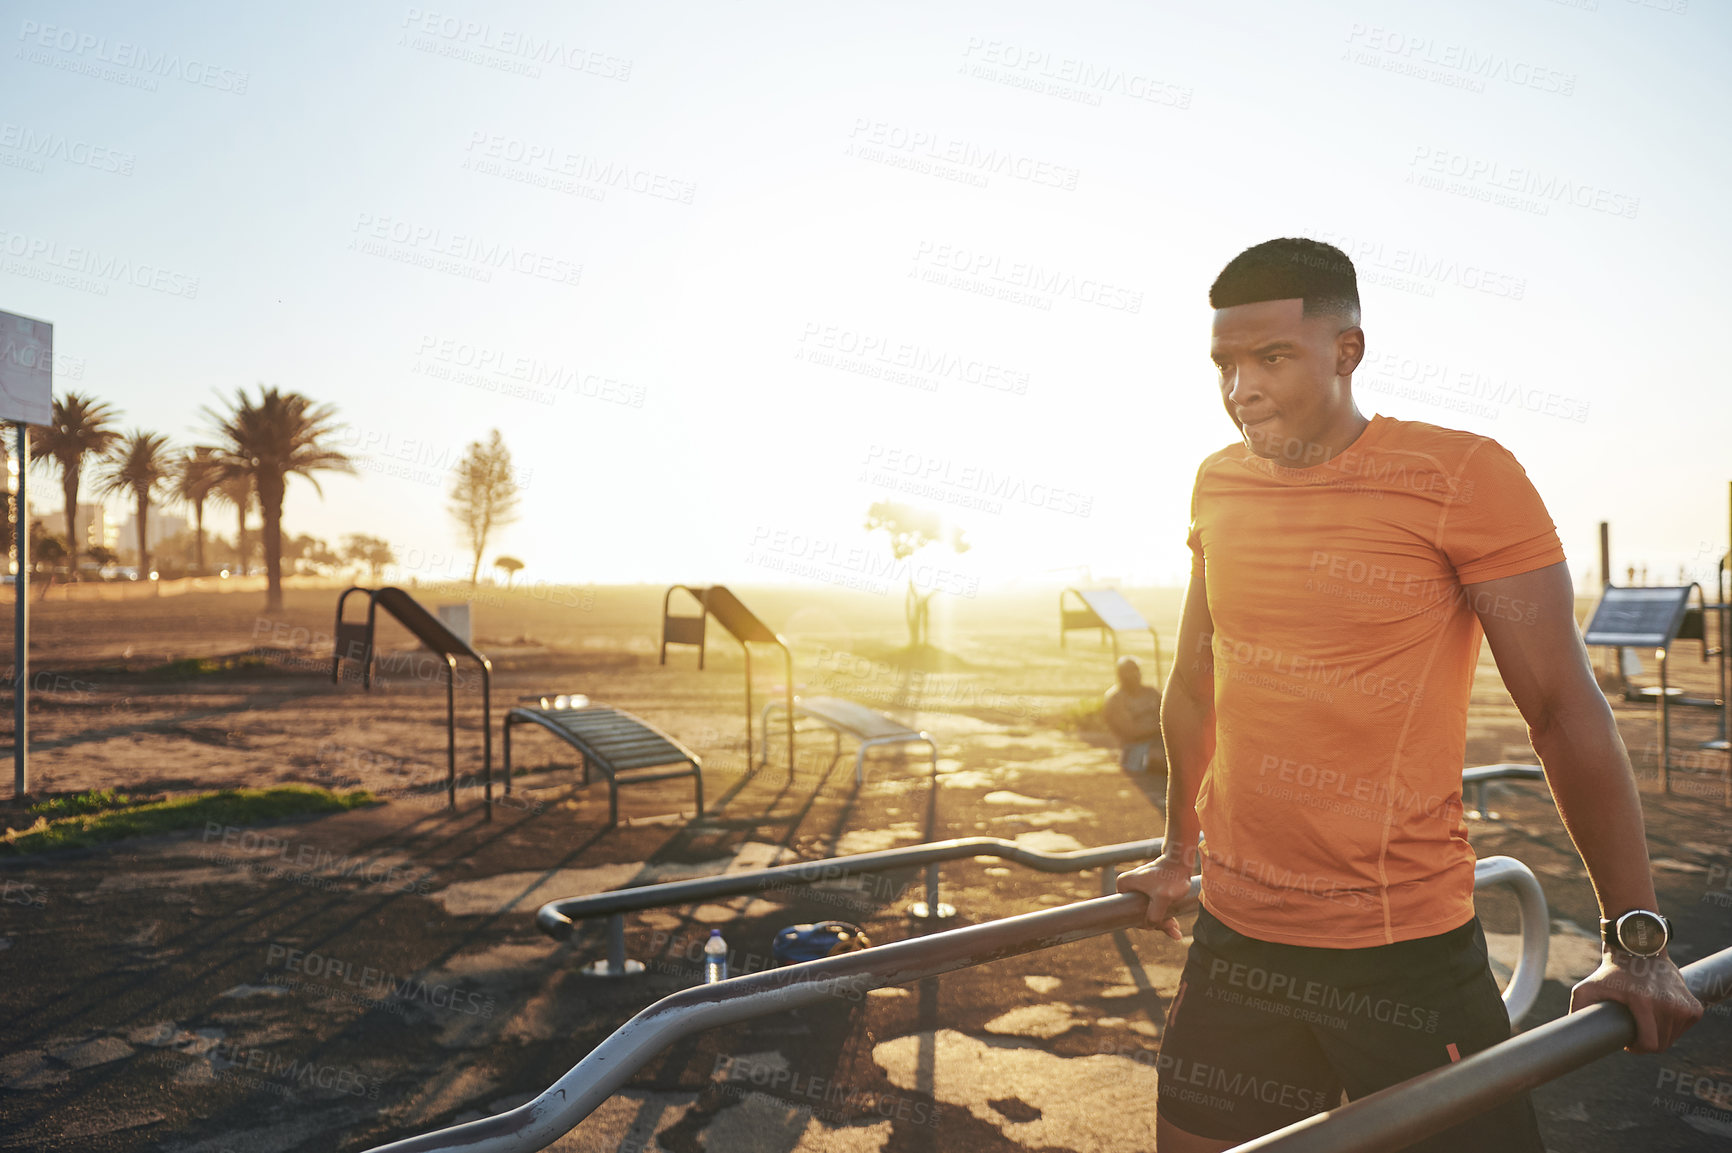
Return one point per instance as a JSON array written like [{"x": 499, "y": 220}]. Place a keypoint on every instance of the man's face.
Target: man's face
[{"x": 1284, "y": 377}]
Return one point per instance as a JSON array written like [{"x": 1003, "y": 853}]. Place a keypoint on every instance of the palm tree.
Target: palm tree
[
  {"x": 267, "y": 440},
  {"x": 139, "y": 466},
  {"x": 81, "y": 427},
  {"x": 236, "y": 491},
  {"x": 196, "y": 475}
]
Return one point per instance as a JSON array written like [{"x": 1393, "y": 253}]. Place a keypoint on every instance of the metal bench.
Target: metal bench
[
  {"x": 1108, "y": 611},
  {"x": 620, "y": 745},
  {"x": 354, "y": 642},
  {"x": 868, "y": 726}
]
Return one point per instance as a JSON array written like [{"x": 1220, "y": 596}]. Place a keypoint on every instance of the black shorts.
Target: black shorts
[{"x": 1261, "y": 1035}]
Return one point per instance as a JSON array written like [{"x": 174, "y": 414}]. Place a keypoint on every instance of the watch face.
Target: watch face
[{"x": 1641, "y": 933}]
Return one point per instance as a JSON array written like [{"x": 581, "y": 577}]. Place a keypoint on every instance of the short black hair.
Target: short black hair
[{"x": 1292, "y": 267}]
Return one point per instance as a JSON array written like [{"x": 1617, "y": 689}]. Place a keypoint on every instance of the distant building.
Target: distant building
[
  {"x": 158, "y": 527},
  {"x": 93, "y": 521}
]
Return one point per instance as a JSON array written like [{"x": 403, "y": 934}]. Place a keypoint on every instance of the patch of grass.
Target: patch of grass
[
  {"x": 186, "y": 668},
  {"x": 227, "y": 807},
  {"x": 78, "y": 804}
]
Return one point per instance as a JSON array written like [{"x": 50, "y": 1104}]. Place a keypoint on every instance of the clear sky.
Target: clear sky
[{"x": 725, "y": 274}]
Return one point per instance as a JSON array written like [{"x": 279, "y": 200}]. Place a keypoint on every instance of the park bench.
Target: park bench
[
  {"x": 625, "y": 749},
  {"x": 868, "y": 726}
]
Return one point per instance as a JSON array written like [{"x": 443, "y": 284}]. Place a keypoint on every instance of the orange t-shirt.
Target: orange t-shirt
[{"x": 1344, "y": 652}]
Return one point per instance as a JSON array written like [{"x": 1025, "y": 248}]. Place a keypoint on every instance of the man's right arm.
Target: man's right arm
[{"x": 1188, "y": 731}]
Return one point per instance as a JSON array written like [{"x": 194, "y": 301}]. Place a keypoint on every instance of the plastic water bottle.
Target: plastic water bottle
[{"x": 715, "y": 958}]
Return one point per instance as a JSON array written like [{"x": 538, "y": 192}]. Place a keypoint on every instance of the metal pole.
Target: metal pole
[
  {"x": 487, "y": 733},
  {"x": 616, "y": 944},
  {"x": 788, "y": 693},
  {"x": 1605, "y": 583},
  {"x": 21, "y": 628},
  {"x": 451, "y": 731},
  {"x": 1665, "y": 725},
  {"x": 747, "y": 650}
]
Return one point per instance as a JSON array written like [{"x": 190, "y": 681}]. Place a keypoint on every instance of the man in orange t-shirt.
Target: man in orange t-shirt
[{"x": 1344, "y": 571}]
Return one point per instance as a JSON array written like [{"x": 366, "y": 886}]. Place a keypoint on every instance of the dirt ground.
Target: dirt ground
[{"x": 338, "y": 982}]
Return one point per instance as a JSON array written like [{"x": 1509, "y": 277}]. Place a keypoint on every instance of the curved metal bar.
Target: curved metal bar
[
  {"x": 611, "y": 1064},
  {"x": 556, "y": 917},
  {"x": 1479, "y": 774},
  {"x": 1395, "y": 1117},
  {"x": 1530, "y": 969}
]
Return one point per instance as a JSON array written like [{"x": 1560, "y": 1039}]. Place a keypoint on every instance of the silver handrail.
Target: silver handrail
[
  {"x": 1395, "y": 1117},
  {"x": 540, "y": 1122},
  {"x": 1530, "y": 967},
  {"x": 1479, "y": 775},
  {"x": 556, "y": 917}
]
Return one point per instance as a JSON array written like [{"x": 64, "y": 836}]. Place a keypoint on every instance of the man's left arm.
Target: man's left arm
[{"x": 1530, "y": 623}]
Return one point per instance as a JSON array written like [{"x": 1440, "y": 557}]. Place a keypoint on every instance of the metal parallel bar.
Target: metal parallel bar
[
  {"x": 1479, "y": 774},
  {"x": 616, "y": 1059},
  {"x": 1395, "y": 1117},
  {"x": 1529, "y": 973},
  {"x": 540, "y": 1122},
  {"x": 556, "y": 917},
  {"x": 1477, "y": 777}
]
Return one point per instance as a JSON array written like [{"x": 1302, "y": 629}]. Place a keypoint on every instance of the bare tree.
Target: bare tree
[{"x": 483, "y": 495}]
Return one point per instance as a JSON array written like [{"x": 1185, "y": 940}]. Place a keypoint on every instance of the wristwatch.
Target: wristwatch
[{"x": 1640, "y": 932}]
